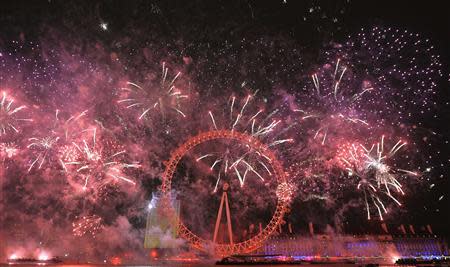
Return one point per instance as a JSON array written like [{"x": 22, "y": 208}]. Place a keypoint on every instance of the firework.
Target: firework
[
  {"x": 8, "y": 150},
  {"x": 376, "y": 177},
  {"x": 402, "y": 67},
  {"x": 44, "y": 144},
  {"x": 148, "y": 99},
  {"x": 331, "y": 100},
  {"x": 68, "y": 129},
  {"x": 314, "y": 177},
  {"x": 285, "y": 191},
  {"x": 94, "y": 164},
  {"x": 87, "y": 225},
  {"x": 68, "y": 153},
  {"x": 10, "y": 115},
  {"x": 50, "y": 144},
  {"x": 242, "y": 160}
]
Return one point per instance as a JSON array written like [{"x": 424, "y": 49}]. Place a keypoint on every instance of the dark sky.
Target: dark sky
[{"x": 429, "y": 18}]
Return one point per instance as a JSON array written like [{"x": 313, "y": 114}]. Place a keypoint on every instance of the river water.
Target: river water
[{"x": 179, "y": 264}]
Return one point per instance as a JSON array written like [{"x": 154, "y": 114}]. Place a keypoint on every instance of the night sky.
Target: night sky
[{"x": 73, "y": 55}]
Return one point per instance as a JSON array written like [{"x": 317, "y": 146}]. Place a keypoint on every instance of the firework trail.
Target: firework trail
[
  {"x": 331, "y": 99},
  {"x": 242, "y": 160},
  {"x": 10, "y": 115},
  {"x": 87, "y": 225},
  {"x": 328, "y": 108},
  {"x": 44, "y": 145},
  {"x": 378, "y": 80},
  {"x": 148, "y": 99},
  {"x": 376, "y": 177},
  {"x": 94, "y": 164},
  {"x": 53, "y": 143}
]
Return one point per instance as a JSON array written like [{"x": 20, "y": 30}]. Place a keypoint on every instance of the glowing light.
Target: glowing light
[
  {"x": 395, "y": 259},
  {"x": 152, "y": 204},
  {"x": 116, "y": 260},
  {"x": 43, "y": 256},
  {"x": 154, "y": 253},
  {"x": 103, "y": 26}
]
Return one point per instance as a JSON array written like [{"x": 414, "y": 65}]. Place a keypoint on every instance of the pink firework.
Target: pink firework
[
  {"x": 158, "y": 98},
  {"x": 10, "y": 115},
  {"x": 47, "y": 145},
  {"x": 377, "y": 176},
  {"x": 8, "y": 150},
  {"x": 285, "y": 191},
  {"x": 94, "y": 164},
  {"x": 87, "y": 225},
  {"x": 330, "y": 103},
  {"x": 403, "y": 67},
  {"x": 239, "y": 160}
]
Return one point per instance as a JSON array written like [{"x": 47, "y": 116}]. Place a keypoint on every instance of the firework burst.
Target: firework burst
[
  {"x": 93, "y": 164},
  {"x": 10, "y": 115},
  {"x": 285, "y": 191},
  {"x": 44, "y": 145},
  {"x": 87, "y": 225},
  {"x": 243, "y": 160},
  {"x": 148, "y": 99},
  {"x": 376, "y": 177},
  {"x": 332, "y": 99},
  {"x": 49, "y": 145}
]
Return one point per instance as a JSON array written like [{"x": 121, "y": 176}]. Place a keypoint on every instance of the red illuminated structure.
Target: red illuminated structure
[
  {"x": 231, "y": 248},
  {"x": 223, "y": 200}
]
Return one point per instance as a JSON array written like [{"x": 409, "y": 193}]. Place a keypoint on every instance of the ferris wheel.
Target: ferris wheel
[{"x": 283, "y": 193}]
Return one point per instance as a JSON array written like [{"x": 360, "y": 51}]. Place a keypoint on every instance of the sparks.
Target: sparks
[
  {"x": 376, "y": 177},
  {"x": 46, "y": 147},
  {"x": 240, "y": 160},
  {"x": 147, "y": 99},
  {"x": 97, "y": 164},
  {"x": 10, "y": 116}
]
